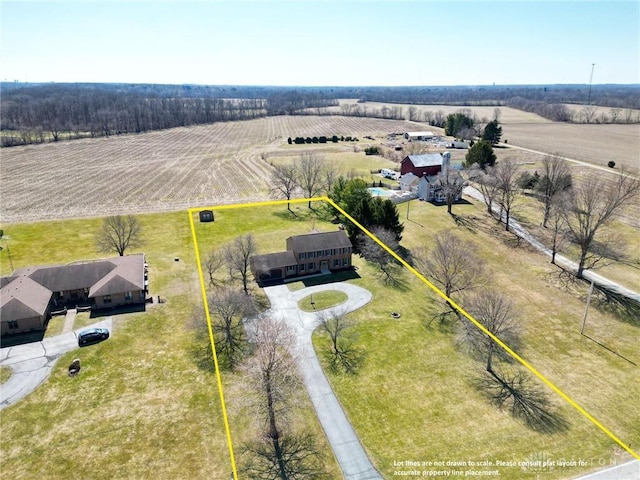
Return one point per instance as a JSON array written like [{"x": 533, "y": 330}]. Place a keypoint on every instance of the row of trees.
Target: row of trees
[
  {"x": 575, "y": 213},
  {"x": 67, "y": 114},
  {"x": 455, "y": 267}
]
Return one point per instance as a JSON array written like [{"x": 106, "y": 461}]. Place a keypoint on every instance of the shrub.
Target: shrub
[{"x": 611, "y": 164}]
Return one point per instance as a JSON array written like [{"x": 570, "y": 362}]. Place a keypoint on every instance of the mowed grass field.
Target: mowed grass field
[
  {"x": 158, "y": 171},
  {"x": 414, "y": 399},
  {"x": 141, "y": 406}
]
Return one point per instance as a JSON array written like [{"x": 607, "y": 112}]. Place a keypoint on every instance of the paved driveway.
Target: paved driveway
[
  {"x": 344, "y": 442},
  {"x": 31, "y": 363}
]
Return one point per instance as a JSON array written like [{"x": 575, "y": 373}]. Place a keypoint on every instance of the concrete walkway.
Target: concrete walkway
[
  {"x": 31, "y": 363},
  {"x": 626, "y": 471},
  {"x": 344, "y": 442},
  {"x": 69, "y": 319}
]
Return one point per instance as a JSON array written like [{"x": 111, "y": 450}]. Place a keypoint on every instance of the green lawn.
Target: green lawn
[
  {"x": 322, "y": 300},
  {"x": 414, "y": 398},
  {"x": 140, "y": 407},
  {"x": 55, "y": 326},
  {"x": 5, "y": 374}
]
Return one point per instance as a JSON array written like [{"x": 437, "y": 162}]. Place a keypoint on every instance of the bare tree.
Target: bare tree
[
  {"x": 374, "y": 253},
  {"x": 452, "y": 184},
  {"x": 486, "y": 181},
  {"x": 496, "y": 313},
  {"x": 213, "y": 263},
  {"x": 310, "y": 178},
  {"x": 555, "y": 179},
  {"x": 119, "y": 233},
  {"x": 588, "y": 112},
  {"x": 330, "y": 173},
  {"x": 280, "y": 453},
  {"x": 413, "y": 113},
  {"x": 452, "y": 264},
  {"x": 595, "y": 203},
  {"x": 496, "y": 114},
  {"x": 506, "y": 175},
  {"x": 615, "y": 113},
  {"x": 237, "y": 255},
  {"x": 228, "y": 307},
  {"x": 342, "y": 353},
  {"x": 557, "y": 226},
  {"x": 284, "y": 182}
]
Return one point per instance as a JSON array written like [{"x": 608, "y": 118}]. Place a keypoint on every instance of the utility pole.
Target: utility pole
[{"x": 593, "y": 65}]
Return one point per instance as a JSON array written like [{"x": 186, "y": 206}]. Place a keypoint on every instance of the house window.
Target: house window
[
  {"x": 319, "y": 253},
  {"x": 128, "y": 296},
  {"x": 302, "y": 267},
  {"x": 311, "y": 266},
  {"x": 106, "y": 299},
  {"x": 303, "y": 256},
  {"x": 333, "y": 251},
  {"x": 310, "y": 254},
  {"x": 327, "y": 253},
  {"x": 345, "y": 261},
  {"x": 13, "y": 324},
  {"x": 291, "y": 269},
  {"x": 336, "y": 262}
]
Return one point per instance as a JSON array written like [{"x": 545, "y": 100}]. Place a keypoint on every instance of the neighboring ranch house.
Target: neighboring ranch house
[
  {"x": 322, "y": 252},
  {"x": 425, "y": 164},
  {"x": 29, "y": 295},
  {"x": 418, "y": 136}
]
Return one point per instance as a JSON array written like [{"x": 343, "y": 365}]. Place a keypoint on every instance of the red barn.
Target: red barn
[{"x": 427, "y": 164}]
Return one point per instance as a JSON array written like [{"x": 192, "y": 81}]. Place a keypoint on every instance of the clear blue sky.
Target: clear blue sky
[{"x": 354, "y": 42}]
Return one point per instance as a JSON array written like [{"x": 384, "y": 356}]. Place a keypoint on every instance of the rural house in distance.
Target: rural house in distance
[
  {"x": 29, "y": 295},
  {"x": 424, "y": 174},
  {"x": 321, "y": 252}
]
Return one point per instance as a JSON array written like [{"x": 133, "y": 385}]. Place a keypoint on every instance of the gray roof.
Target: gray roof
[
  {"x": 426, "y": 160},
  {"x": 23, "y": 298},
  {"x": 61, "y": 278},
  {"x": 318, "y": 241},
  {"x": 264, "y": 263},
  {"x": 409, "y": 178},
  {"x": 28, "y": 291}
]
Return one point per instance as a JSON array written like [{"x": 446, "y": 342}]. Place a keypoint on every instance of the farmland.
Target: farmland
[
  {"x": 226, "y": 163},
  {"x": 159, "y": 171}
]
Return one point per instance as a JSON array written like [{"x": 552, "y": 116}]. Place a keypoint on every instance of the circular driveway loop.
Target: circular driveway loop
[{"x": 344, "y": 442}]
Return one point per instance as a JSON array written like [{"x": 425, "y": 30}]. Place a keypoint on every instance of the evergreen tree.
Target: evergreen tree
[
  {"x": 482, "y": 154},
  {"x": 492, "y": 132}
]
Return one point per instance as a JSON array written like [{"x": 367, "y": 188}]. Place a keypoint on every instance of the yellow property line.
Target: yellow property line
[
  {"x": 487, "y": 332},
  {"x": 406, "y": 265}
]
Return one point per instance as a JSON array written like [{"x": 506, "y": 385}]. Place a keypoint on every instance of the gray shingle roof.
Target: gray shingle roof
[
  {"x": 426, "y": 160},
  {"x": 264, "y": 263},
  {"x": 23, "y": 298},
  {"x": 28, "y": 291},
  {"x": 318, "y": 241}
]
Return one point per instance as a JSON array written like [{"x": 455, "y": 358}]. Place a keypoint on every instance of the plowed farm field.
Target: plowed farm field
[{"x": 160, "y": 171}]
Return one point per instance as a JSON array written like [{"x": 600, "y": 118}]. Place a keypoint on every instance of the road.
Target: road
[
  {"x": 344, "y": 442},
  {"x": 561, "y": 260}
]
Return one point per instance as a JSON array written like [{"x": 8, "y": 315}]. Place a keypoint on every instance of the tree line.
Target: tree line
[{"x": 34, "y": 113}]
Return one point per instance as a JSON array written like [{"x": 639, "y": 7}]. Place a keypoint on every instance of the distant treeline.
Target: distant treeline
[
  {"x": 32, "y": 113},
  {"x": 52, "y": 112}
]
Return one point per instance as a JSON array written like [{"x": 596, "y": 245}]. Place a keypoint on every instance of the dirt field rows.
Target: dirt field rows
[
  {"x": 591, "y": 143},
  {"x": 158, "y": 171}
]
